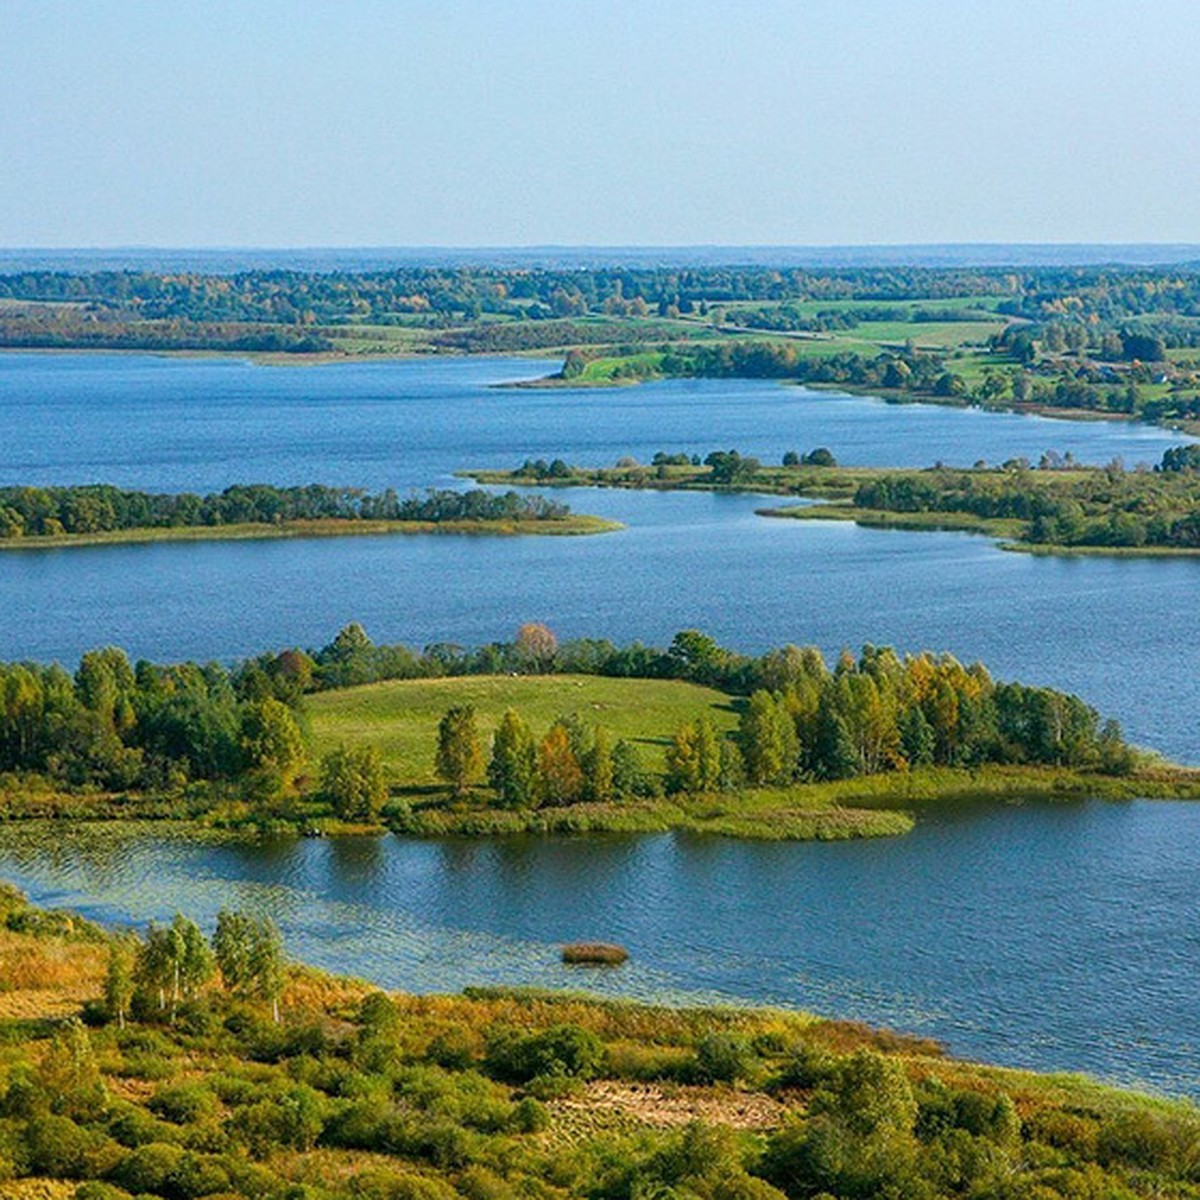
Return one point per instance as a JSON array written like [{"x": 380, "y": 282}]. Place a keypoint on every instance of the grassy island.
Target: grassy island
[
  {"x": 1056, "y": 506},
  {"x": 180, "y": 1066},
  {"x": 531, "y": 736},
  {"x": 100, "y": 515}
]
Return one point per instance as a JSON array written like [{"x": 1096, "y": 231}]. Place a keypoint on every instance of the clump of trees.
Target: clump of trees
[
  {"x": 880, "y": 713},
  {"x": 118, "y": 726},
  {"x": 1089, "y": 507},
  {"x": 572, "y": 762},
  {"x": 101, "y": 508}
]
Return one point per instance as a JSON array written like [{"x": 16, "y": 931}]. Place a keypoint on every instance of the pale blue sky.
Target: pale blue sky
[{"x": 516, "y": 122}]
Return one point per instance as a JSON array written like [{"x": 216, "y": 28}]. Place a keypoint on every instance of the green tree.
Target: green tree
[
  {"x": 598, "y": 767},
  {"x": 353, "y": 782},
  {"x": 231, "y": 944},
  {"x": 271, "y": 739},
  {"x": 512, "y": 770},
  {"x": 118, "y": 979},
  {"x": 768, "y": 736},
  {"x": 683, "y": 761},
  {"x": 459, "y": 759},
  {"x": 266, "y": 964}
]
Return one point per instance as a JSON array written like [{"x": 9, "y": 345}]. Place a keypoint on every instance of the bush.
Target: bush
[
  {"x": 562, "y": 1050},
  {"x": 149, "y": 1168},
  {"x": 59, "y": 1148},
  {"x": 95, "y": 1190},
  {"x": 723, "y": 1058},
  {"x": 183, "y": 1104}
]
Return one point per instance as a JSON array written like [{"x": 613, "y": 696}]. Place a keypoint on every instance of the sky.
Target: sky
[{"x": 614, "y": 122}]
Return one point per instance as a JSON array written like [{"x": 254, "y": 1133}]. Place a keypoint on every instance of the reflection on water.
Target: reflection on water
[{"x": 1054, "y": 936}]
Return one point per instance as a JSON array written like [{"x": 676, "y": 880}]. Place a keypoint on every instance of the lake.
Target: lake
[
  {"x": 1050, "y": 936},
  {"x": 1061, "y": 936},
  {"x": 1110, "y": 629}
]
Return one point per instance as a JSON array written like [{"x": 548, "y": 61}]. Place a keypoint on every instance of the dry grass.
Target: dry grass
[
  {"x": 47, "y": 977},
  {"x": 594, "y": 954},
  {"x": 675, "y": 1106}
]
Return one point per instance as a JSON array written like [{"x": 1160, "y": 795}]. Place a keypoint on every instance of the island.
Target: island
[
  {"x": 183, "y": 1063},
  {"x": 101, "y": 515},
  {"x": 1054, "y": 506},
  {"x": 539, "y": 736}
]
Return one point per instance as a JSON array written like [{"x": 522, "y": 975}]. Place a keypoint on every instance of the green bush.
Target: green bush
[
  {"x": 183, "y": 1104},
  {"x": 149, "y": 1167},
  {"x": 562, "y": 1050},
  {"x": 723, "y": 1058},
  {"x": 59, "y": 1148}
]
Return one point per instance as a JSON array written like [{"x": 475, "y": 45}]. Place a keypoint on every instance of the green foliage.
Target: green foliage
[
  {"x": 560, "y": 1051},
  {"x": 353, "y": 782},
  {"x": 512, "y": 771},
  {"x": 459, "y": 759},
  {"x": 723, "y": 1058}
]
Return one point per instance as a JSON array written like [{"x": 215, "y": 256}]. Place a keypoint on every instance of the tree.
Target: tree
[
  {"x": 535, "y": 646},
  {"x": 459, "y": 758},
  {"x": 231, "y": 945},
  {"x": 118, "y": 980},
  {"x": 769, "y": 743},
  {"x": 560, "y": 777},
  {"x": 271, "y": 739},
  {"x": 266, "y": 963},
  {"x": 512, "y": 770},
  {"x": 598, "y": 767},
  {"x": 630, "y": 777},
  {"x": 683, "y": 763},
  {"x": 353, "y": 782}
]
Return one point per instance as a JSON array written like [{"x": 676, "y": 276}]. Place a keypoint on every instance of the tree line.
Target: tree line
[
  {"x": 1092, "y": 507},
  {"x": 880, "y": 713},
  {"x": 95, "y": 508}
]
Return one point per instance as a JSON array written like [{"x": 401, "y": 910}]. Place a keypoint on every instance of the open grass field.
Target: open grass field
[{"x": 401, "y": 717}]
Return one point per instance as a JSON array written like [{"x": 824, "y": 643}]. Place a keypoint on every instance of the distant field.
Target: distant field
[{"x": 401, "y": 717}]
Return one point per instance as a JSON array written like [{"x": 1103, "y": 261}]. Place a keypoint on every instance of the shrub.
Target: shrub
[
  {"x": 529, "y": 1116},
  {"x": 561, "y": 1050},
  {"x": 723, "y": 1058},
  {"x": 60, "y": 1148},
  {"x": 148, "y": 1168},
  {"x": 183, "y": 1104},
  {"x": 94, "y": 1189}
]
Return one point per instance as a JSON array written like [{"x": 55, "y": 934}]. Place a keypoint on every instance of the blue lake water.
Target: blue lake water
[
  {"x": 1051, "y": 936},
  {"x": 1112, "y": 629}
]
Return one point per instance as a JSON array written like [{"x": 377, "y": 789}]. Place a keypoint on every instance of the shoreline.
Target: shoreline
[{"x": 883, "y": 805}]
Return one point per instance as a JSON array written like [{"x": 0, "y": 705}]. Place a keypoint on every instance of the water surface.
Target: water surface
[
  {"x": 1049, "y": 936},
  {"x": 1111, "y": 629}
]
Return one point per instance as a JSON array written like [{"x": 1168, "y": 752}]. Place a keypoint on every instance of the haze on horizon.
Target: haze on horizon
[{"x": 574, "y": 122}]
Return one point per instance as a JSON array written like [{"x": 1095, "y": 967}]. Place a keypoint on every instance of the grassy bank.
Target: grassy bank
[
  {"x": 575, "y": 524},
  {"x": 353, "y": 1094},
  {"x": 400, "y": 717}
]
